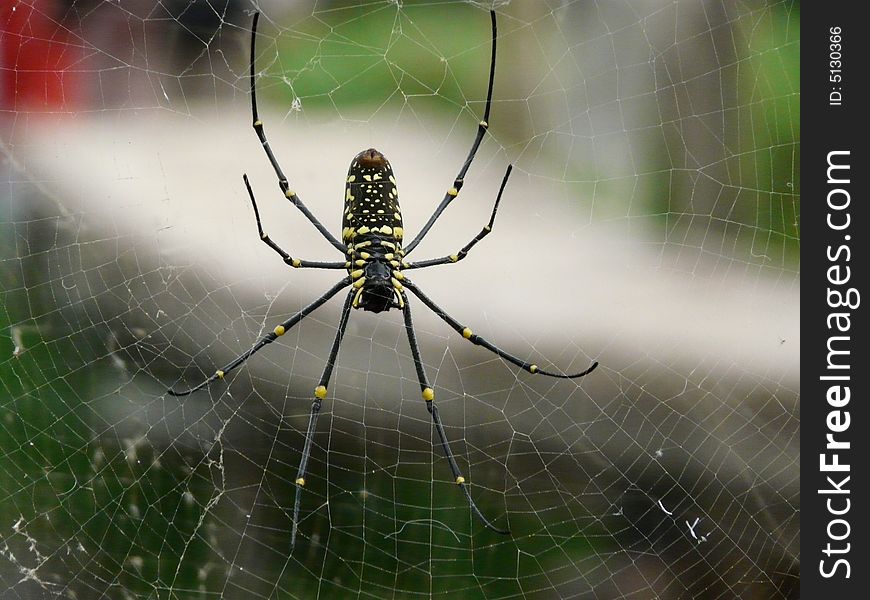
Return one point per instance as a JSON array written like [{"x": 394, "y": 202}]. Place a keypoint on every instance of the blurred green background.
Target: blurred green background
[{"x": 111, "y": 488}]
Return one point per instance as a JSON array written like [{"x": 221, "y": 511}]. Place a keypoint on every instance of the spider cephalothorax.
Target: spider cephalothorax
[
  {"x": 371, "y": 241},
  {"x": 372, "y": 231}
]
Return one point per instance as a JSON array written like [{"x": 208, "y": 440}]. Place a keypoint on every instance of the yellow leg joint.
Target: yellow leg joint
[
  {"x": 320, "y": 391},
  {"x": 279, "y": 330},
  {"x": 289, "y": 193},
  {"x": 359, "y": 283},
  {"x": 296, "y": 263},
  {"x": 398, "y": 275},
  {"x": 484, "y": 124},
  {"x": 454, "y": 257},
  {"x": 258, "y": 123},
  {"x": 428, "y": 394},
  {"x": 219, "y": 374},
  {"x": 300, "y": 482},
  {"x": 357, "y": 274},
  {"x": 467, "y": 333},
  {"x": 460, "y": 480},
  {"x": 453, "y": 192},
  {"x": 533, "y": 369}
]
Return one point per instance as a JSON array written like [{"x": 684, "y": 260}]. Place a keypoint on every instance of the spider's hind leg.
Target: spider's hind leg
[
  {"x": 429, "y": 396},
  {"x": 266, "y": 339},
  {"x": 319, "y": 394},
  {"x": 477, "y": 340}
]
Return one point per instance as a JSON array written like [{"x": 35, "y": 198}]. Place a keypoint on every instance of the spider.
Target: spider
[{"x": 372, "y": 241}]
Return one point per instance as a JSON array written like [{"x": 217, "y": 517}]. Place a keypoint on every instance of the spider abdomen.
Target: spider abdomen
[
  {"x": 371, "y": 201},
  {"x": 372, "y": 231}
]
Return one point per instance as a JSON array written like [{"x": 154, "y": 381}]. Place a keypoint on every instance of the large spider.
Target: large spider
[{"x": 372, "y": 235}]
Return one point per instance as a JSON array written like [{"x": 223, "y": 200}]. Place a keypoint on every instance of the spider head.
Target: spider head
[
  {"x": 369, "y": 171},
  {"x": 377, "y": 294},
  {"x": 371, "y": 159}
]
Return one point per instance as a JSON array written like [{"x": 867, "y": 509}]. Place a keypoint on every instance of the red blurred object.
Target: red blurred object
[{"x": 38, "y": 58}]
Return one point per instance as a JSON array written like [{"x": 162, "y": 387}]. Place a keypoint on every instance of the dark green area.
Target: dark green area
[
  {"x": 359, "y": 61},
  {"x": 109, "y": 486}
]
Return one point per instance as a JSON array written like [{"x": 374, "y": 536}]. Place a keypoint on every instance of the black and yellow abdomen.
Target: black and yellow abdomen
[
  {"x": 371, "y": 201},
  {"x": 372, "y": 231}
]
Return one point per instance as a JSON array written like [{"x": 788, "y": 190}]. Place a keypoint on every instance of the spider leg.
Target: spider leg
[
  {"x": 282, "y": 179},
  {"x": 268, "y": 338},
  {"x": 479, "y": 341},
  {"x": 481, "y": 130},
  {"x": 293, "y": 262},
  {"x": 429, "y": 396},
  {"x": 319, "y": 395},
  {"x": 452, "y": 258}
]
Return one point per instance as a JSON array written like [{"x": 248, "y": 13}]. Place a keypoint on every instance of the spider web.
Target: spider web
[{"x": 651, "y": 223}]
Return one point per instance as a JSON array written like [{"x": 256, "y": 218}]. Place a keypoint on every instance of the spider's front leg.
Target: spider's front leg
[
  {"x": 261, "y": 135},
  {"x": 452, "y": 258},
  {"x": 293, "y": 262},
  {"x": 482, "y": 127}
]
